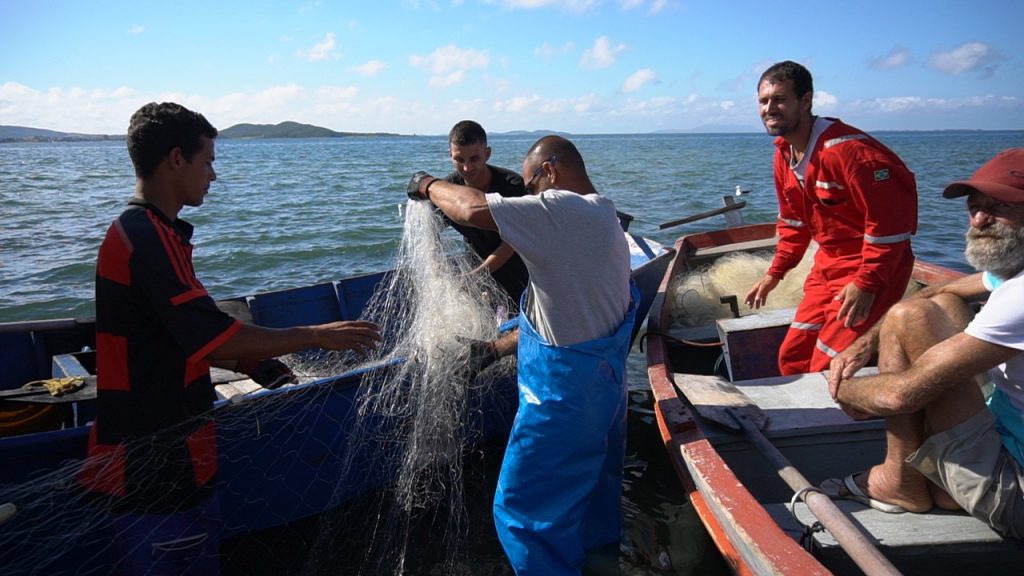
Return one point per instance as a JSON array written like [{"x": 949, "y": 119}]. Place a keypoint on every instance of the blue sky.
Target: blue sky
[{"x": 580, "y": 66}]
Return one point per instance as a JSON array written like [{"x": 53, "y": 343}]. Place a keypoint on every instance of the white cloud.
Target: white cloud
[
  {"x": 656, "y": 5},
  {"x": 638, "y": 79},
  {"x": 567, "y": 5},
  {"x": 517, "y": 104},
  {"x": 371, "y": 68},
  {"x": 969, "y": 57},
  {"x": 323, "y": 50},
  {"x": 547, "y": 51},
  {"x": 904, "y": 104},
  {"x": 602, "y": 54},
  {"x": 824, "y": 100},
  {"x": 445, "y": 80},
  {"x": 448, "y": 64},
  {"x": 336, "y": 93},
  {"x": 898, "y": 57},
  {"x": 136, "y": 30}
]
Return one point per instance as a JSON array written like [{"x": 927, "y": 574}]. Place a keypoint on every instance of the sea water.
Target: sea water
[{"x": 285, "y": 213}]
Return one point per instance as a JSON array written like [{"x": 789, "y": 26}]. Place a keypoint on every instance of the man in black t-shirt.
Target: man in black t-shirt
[{"x": 467, "y": 144}]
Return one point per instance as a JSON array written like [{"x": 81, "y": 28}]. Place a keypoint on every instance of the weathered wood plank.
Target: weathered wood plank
[
  {"x": 719, "y": 400},
  {"x": 714, "y": 251},
  {"x": 895, "y": 530}
]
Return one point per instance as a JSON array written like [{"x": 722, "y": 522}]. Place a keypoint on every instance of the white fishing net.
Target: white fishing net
[
  {"x": 331, "y": 476},
  {"x": 696, "y": 295}
]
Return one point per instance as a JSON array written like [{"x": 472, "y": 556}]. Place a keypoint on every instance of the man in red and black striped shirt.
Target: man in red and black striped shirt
[{"x": 153, "y": 449}]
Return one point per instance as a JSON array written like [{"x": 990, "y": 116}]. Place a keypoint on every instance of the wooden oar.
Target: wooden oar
[
  {"x": 703, "y": 215},
  {"x": 719, "y": 400}
]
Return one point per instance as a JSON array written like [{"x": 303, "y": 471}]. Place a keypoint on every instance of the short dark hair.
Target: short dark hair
[
  {"x": 467, "y": 132},
  {"x": 789, "y": 70},
  {"x": 156, "y": 129}
]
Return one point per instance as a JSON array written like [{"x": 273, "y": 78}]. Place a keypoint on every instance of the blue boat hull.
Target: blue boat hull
[{"x": 284, "y": 454}]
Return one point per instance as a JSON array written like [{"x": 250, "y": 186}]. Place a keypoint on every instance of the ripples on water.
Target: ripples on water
[
  {"x": 289, "y": 212},
  {"x": 285, "y": 213}
]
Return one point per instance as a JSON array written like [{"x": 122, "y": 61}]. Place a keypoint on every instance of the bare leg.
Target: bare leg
[{"x": 911, "y": 328}]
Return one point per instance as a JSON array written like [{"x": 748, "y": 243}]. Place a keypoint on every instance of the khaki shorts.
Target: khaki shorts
[{"x": 970, "y": 462}]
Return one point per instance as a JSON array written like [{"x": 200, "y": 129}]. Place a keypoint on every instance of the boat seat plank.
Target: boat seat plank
[
  {"x": 802, "y": 404},
  {"x": 907, "y": 536},
  {"x": 797, "y": 405}
]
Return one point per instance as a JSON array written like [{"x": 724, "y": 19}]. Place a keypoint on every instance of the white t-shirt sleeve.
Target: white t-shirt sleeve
[{"x": 1001, "y": 319}]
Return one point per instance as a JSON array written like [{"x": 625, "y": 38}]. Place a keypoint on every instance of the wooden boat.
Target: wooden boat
[
  {"x": 258, "y": 487},
  {"x": 741, "y": 478}
]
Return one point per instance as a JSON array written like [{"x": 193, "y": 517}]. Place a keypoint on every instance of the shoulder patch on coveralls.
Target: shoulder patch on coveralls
[{"x": 881, "y": 175}]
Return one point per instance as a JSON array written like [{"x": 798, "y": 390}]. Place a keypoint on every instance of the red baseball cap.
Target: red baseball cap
[{"x": 1001, "y": 178}]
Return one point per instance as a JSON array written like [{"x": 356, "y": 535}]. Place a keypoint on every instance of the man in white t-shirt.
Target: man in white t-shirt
[
  {"x": 945, "y": 447},
  {"x": 559, "y": 490}
]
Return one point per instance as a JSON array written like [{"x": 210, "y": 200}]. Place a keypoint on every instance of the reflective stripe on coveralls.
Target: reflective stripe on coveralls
[{"x": 560, "y": 487}]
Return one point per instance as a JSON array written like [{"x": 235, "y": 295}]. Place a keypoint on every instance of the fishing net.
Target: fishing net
[
  {"x": 363, "y": 467},
  {"x": 696, "y": 295}
]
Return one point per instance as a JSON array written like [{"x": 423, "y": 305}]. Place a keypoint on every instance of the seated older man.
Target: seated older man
[{"x": 946, "y": 447}]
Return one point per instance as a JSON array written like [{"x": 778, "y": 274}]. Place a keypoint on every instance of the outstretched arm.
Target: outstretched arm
[
  {"x": 949, "y": 362},
  {"x": 463, "y": 204},
  {"x": 495, "y": 260},
  {"x": 257, "y": 342}
]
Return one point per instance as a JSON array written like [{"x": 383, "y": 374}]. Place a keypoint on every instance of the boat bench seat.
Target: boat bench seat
[
  {"x": 821, "y": 441},
  {"x": 797, "y": 406},
  {"x": 908, "y": 540}
]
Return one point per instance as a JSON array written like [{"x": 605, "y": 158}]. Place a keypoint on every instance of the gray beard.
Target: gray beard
[{"x": 998, "y": 249}]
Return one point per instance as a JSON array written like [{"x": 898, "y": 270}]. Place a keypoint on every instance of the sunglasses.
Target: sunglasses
[{"x": 536, "y": 173}]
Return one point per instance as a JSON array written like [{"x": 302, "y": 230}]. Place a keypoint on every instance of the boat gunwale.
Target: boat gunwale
[
  {"x": 760, "y": 546},
  {"x": 744, "y": 532}
]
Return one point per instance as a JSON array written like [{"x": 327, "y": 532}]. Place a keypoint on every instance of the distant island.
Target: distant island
[
  {"x": 23, "y": 134},
  {"x": 289, "y": 130},
  {"x": 249, "y": 131}
]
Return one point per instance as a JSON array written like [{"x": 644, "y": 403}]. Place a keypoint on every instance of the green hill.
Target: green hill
[
  {"x": 287, "y": 130},
  {"x": 282, "y": 130},
  {"x": 25, "y": 134}
]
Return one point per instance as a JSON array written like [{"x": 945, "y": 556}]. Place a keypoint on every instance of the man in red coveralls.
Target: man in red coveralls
[{"x": 853, "y": 196}]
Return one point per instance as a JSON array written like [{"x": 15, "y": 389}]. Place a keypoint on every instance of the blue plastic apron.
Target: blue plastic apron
[{"x": 560, "y": 487}]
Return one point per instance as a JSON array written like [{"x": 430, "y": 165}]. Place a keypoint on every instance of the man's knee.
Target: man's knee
[
  {"x": 954, "y": 309},
  {"x": 938, "y": 317},
  {"x": 907, "y": 315}
]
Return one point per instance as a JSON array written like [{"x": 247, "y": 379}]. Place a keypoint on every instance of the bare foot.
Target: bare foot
[{"x": 907, "y": 490}]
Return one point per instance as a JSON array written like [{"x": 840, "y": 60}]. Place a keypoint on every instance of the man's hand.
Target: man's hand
[
  {"x": 758, "y": 295},
  {"x": 855, "y": 357},
  {"x": 856, "y": 305},
  {"x": 270, "y": 373},
  {"x": 833, "y": 389},
  {"x": 418, "y": 184},
  {"x": 481, "y": 355},
  {"x": 359, "y": 336}
]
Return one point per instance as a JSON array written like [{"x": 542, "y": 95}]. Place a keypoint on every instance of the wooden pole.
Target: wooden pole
[{"x": 861, "y": 550}]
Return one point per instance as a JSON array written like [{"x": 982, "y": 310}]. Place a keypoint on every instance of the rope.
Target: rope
[
  {"x": 807, "y": 537},
  {"x": 57, "y": 386}
]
